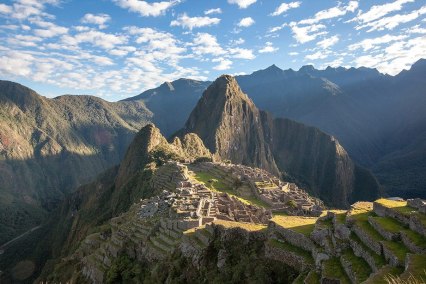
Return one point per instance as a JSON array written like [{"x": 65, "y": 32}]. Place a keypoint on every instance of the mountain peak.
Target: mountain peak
[
  {"x": 307, "y": 68},
  {"x": 225, "y": 86}
]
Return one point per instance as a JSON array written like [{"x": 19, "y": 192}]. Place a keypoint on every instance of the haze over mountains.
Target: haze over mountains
[{"x": 378, "y": 119}]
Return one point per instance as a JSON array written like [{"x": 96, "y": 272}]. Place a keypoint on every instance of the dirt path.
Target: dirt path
[{"x": 3, "y": 246}]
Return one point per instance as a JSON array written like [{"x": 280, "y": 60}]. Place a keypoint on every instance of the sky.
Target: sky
[{"x": 118, "y": 48}]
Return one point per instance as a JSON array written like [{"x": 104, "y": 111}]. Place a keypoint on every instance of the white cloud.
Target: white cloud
[
  {"x": 246, "y": 22},
  {"x": 205, "y": 43},
  {"x": 307, "y": 33},
  {"x": 242, "y": 4},
  {"x": 96, "y": 38},
  {"x": 393, "y": 21},
  {"x": 331, "y": 13},
  {"x": 49, "y": 29},
  {"x": 5, "y": 9},
  {"x": 241, "y": 53},
  {"x": 268, "y": 48},
  {"x": 284, "y": 7},
  {"x": 328, "y": 42},
  {"x": 224, "y": 64},
  {"x": 370, "y": 43},
  {"x": 237, "y": 41},
  {"x": 396, "y": 57},
  {"x": 16, "y": 64},
  {"x": 146, "y": 9},
  {"x": 194, "y": 22},
  {"x": 316, "y": 55},
  {"x": 377, "y": 11},
  {"x": 416, "y": 30},
  {"x": 293, "y": 53},
  {"x": 213, "y": 11},
  {"x": 99, "y": 19}
]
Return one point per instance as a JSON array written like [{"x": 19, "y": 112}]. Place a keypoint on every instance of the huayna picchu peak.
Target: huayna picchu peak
[{"x": 232, "y": 128}]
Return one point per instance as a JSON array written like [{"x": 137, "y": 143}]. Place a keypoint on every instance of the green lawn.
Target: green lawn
[
  {"x": 416, "y": 268},
  {"x": 333, "y": 269},
  {"x": 300, "y": 224},
  {"x": 218, "y": 185},
  {"x": 289, "y": 247},
  {"x": 402, "y": 207},
  {"x": 383, "y": 274},
  {"x": 378, "y": 259},
  {"x": 398, "y": 249},
  {"x": 360, "y": 267}
]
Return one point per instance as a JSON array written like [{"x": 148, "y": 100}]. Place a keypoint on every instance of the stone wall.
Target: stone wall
[
  {"x": 383, "y": 211},
  {"x": 409, "y": 244},
  {"x": 361, "y": 252},
  {"x": 287, "y": 257},
  {"x": 391, "y": 258},
  {"x": 367, "y": 240},
  {"x": 386, "y": 234},
  {"x": 292, "y": 237}
]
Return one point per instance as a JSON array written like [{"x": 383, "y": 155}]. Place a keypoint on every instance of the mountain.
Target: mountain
[
  {"x": 172, "y": 102},
  {"x": 232, "y": 127},
  {"x": 48, "y": 147},
  {"x": 107, "y": 196},
  {"x": 377, "y": 118}
]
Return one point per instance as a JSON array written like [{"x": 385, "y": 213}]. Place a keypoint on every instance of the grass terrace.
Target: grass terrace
[
  {"x": 359, "y": 266},
  {"x": 312, "y": 278},
  {"x": 378, "y": 259},
  {"x": 398, "y": 249},
  {"x": 217, "y": 185},
  {"x": 416, "y": 268},
  {"x": 265, "y": 185},
  {"x": 333, "y": 269},
  {"x": 389, "y": 224},
  {"x": 251, "y": 227},
  {"x": 383, "y": 274},
  {"x": 403, "y": 208},
  {"x": 296, "y": 250},
  {"x": 300, "y": 224}
]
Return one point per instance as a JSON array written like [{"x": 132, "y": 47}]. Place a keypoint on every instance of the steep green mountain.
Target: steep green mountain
[
  {"x": 48, "y": 147},
  {"x": 172, "y": 102},
  {"x": 91, "y": 205},
  {"x": 233, "y": 128}
]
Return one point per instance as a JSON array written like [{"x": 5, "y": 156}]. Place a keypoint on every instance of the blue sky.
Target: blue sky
[{"x": 118, "y": 48}]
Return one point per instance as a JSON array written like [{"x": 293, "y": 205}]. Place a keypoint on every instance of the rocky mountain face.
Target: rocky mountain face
[
  {"x": 377, "y": 118},
  {"x": 48, "y": 147},
  {"x": 233, "y": 128},
  {"x": 172, "y": 102}
]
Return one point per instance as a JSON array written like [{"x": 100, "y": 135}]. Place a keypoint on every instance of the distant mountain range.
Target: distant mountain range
[{"x": 379, "y": 119}]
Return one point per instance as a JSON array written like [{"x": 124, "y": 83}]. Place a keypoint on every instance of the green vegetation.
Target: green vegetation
[
  {"x": 382, "y": 276},
  {"x": 246, "y": 226},
  {"x": 416, "y": 268},
  {"x": 215, "y": 184},
  {"x": 403, "y": 208},
  {"x": 265, "y": 185},
  {"x": 333, "y": 269},
  {"x": 379, "y": 260},
  {"x": 398, "y": 249},
  {"x": 313, "y": 278},
  {"x": 290, "y": 248},
  {"x": 300, "y": 224},
  {"x": 416, "y": 238},
  {"x": 389, "y": 224},
  {"x": 359, "y": 266},
  {"x": 123, "y": 270}
]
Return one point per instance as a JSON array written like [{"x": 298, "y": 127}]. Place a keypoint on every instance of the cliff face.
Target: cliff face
[
  {"x": 48, "y": 147},
  {"x": 233, "y": 128},
  {"x": 230, "y": 125}
]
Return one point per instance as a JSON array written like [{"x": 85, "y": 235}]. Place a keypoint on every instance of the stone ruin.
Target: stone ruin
[{"x": 281, "y": 196}]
